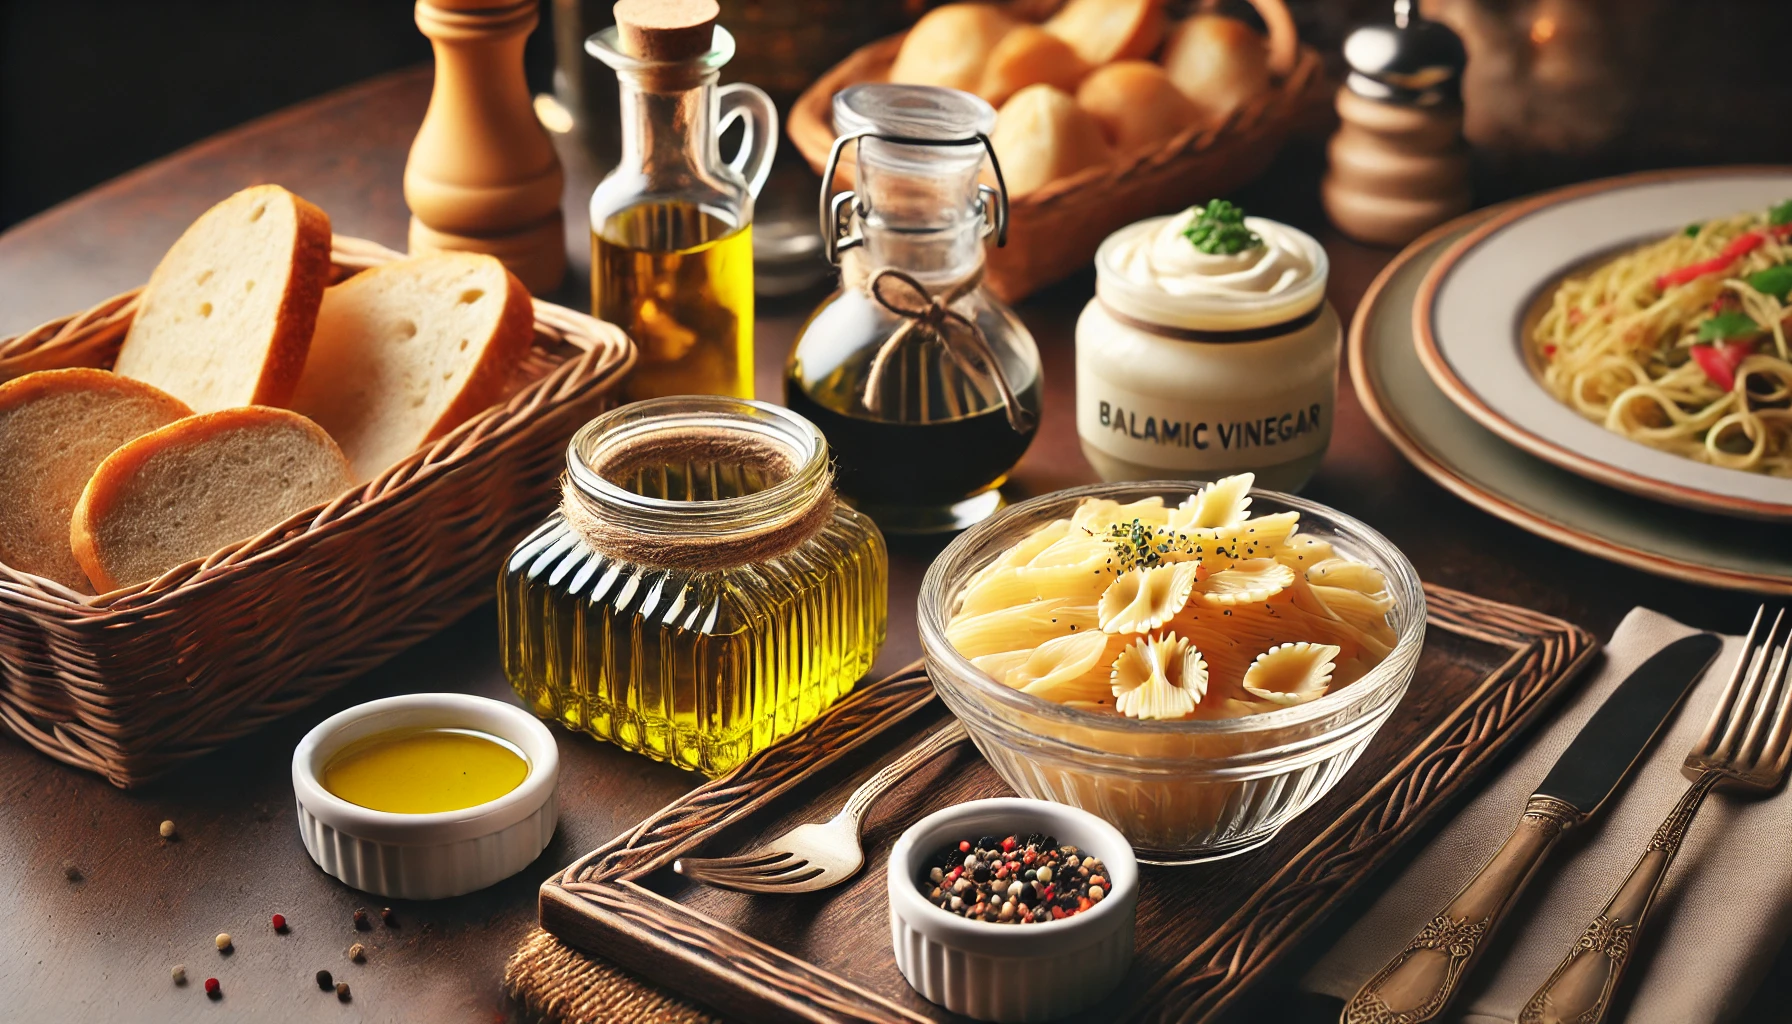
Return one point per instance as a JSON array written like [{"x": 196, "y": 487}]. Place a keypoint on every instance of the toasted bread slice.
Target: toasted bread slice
[
  {"x": 405, "y": 352},
  {"x": 55, "y": 427},
  {"x": 198, "y": 485},
  {"x": 227, "y": 315}
]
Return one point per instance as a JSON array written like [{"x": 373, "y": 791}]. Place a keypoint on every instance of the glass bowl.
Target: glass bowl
[{"x": 1184, "y": 791}]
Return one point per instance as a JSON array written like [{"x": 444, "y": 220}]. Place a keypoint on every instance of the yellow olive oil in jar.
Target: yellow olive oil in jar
[
  {"x": 679, "y": 280},
  {"x": 694, "y": 608}
]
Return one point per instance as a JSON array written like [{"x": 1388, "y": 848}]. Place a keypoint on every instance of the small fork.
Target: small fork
[
  {"x": 1746, "y": 746},
  {"x": 820, "y": 854}
]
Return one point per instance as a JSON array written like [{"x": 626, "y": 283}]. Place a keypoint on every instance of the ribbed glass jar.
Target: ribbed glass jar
[{"x": 702, "y": 668}]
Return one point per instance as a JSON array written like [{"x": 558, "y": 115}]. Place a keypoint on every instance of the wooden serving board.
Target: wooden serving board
[{"x": 1206, "y": 933}]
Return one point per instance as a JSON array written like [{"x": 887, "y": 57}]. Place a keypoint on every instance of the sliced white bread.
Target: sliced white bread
[
  {"x": 55, "y": 427},
  {"x": 405, "y": 352},
  {"x": 197, "y": 485},
  {"x": 227, "y": 316}
]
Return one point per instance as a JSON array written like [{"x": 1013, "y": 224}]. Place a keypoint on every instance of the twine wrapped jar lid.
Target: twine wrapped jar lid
[{"x": 700, "y": 483}]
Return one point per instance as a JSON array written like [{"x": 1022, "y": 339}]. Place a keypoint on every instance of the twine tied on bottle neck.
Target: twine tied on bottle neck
[
  {"x": 657, "y": 542},
  {"x": 929, "y": 314}
]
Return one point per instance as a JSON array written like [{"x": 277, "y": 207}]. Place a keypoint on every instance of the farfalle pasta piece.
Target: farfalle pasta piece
[
  {"x": 1097, "y": 514},
  {"x": 1058, "y": 662},
  {"x": 1144, "y": 599},
  {"x": 1015, "y": 585},
  {"x": 1253, "y": 538},
  {"x": 1010, "y": 629},
  {"x": 1303, "y": 550},
  {"x": 1348, "y": 575},
  {"x": 1366, "y": 612},
  {"x": 1225, "y": 502},
  {"x": 1253, "y": 581},
  {"x": 1289, "y": 674},
  {"x": 1002, "y": 665},
  {"x": 1159, "y": 677}
]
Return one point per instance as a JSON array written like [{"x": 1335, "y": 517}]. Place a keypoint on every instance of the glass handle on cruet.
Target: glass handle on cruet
[{"x": 759, "y": 141}]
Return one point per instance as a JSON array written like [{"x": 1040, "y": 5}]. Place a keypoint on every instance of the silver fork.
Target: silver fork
[
  {"x": 820, "y": 854},
  {"x": 1745, "y": 746}
]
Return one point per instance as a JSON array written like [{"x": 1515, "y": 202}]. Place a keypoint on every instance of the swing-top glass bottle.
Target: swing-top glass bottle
[{"x": 925, "y": 383}]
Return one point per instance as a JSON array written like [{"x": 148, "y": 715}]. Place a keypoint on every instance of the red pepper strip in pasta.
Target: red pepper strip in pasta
[
  {"x": 1720, "y": 361},
  {"x": 1739, "y": 247}
]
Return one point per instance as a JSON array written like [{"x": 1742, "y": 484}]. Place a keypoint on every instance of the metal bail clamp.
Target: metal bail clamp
[{"x": 834, "y": 226}]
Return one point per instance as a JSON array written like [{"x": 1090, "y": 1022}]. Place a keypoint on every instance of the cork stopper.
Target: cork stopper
[{"x": 665, "y": 30}]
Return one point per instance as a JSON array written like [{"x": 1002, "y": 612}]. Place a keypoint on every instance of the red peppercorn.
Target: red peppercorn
[
  {"x": 211, "y": 987},
  {"x": 1008, "y": 845},
  {"x": 964, "y": 846},
  {"x": 279, "y": 921}
]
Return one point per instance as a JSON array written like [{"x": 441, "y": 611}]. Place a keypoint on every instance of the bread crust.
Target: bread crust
[
  {"x": 112, "y": 481},
  {"x": 311, "y": 271},
  {"x": 490, "y": 377},
  {"x": 26, "y": 553}
]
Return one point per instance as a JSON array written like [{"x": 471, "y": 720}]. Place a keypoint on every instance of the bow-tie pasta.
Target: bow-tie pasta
[{"x": 1196, "y": 611}]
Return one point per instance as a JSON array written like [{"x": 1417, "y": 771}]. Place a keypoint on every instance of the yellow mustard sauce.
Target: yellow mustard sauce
[{"x": 422, "y": 771}]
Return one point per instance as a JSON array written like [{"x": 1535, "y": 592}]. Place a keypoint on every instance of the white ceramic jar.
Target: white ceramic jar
[
  {"x": 1191, "y": 366},
  {"x": 1010, "y": 972}
]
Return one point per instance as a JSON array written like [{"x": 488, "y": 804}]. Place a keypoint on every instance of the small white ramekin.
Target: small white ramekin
[
  {"x": 427, "y": 856},
  {"x": 1008, "y": 972}
]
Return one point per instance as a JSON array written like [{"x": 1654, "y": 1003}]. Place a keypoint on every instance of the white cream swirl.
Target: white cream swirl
[{"x": 1163, "y": 258}]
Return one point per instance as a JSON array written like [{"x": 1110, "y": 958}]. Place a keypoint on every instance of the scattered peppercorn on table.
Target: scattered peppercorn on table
[{"x": 114, "y": 913}]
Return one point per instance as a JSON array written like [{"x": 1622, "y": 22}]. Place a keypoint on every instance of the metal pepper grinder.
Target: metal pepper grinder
[{"x": 1399, "y": 164}]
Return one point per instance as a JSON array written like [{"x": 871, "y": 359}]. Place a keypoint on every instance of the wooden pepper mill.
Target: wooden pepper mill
[
  {"x": 482, "y": 175},
  {"x": 1399, "y": 165}
]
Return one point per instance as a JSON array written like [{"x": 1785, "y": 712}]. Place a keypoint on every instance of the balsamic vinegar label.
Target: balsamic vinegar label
[{"x": 1194, "y": 434}]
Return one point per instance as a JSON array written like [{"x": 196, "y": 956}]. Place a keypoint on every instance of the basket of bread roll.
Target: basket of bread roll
[
  {"x": 282, "y": 461},
  {"x": 1107, "y": 111}
]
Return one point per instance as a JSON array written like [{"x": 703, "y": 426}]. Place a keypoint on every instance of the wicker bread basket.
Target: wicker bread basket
[
  {"x": 1055, "y": 230},
  {"x": 130, "y": 683}
]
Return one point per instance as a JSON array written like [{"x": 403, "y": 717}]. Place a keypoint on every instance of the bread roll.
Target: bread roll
[
  {"x": 950, "y": 45},
  {"x": 1136, "y": 104},
  {"x": 1219, "y": 63},
  {"x": 1029, "y": 55},
  {"x": 1108, "y": 30},
  {"x": 55, "y": 427},
  {"x": 1042, "y": 135},
  {"x": 198, "y": 485},
  {"x": 226, "y": 318},
  {"x": 407, "y": 351}
]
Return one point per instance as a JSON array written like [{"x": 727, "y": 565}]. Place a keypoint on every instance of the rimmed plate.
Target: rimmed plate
[
  {"x": 1477, "y": 465},
  {"x": 1471, "y": 308}
]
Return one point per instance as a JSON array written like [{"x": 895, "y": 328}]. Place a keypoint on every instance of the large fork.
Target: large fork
[
  {"x": 821, "y": 854},
  {"x": 1745, "y": 746}
]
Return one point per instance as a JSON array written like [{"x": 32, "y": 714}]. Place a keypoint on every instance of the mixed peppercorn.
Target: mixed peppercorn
[{"x": 1013, "y": 880}]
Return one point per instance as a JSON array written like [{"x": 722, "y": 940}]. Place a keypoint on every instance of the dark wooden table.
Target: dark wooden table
[{"x": 100, "y": 948}]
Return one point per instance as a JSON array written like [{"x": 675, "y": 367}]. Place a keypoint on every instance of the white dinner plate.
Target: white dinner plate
[
  {"x": 1468, "y": 325},
  {"x": 1473, "y": 463}
]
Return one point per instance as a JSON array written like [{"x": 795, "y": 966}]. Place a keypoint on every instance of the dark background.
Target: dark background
[{"x": 92, "y": 88}]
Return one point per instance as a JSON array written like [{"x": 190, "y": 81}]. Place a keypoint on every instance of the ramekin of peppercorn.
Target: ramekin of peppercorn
[{"x": 1012, "y": 909}]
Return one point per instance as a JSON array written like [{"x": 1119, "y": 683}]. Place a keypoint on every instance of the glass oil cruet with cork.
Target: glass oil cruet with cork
[
  {"x": 926, "y": 385},
  {"x": 671, "y": 225}
]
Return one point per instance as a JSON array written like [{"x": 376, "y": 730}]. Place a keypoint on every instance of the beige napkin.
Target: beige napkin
[{"x": 1719, "y": 921}]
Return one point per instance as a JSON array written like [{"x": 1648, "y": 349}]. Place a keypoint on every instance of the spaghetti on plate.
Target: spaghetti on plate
[{"x": 1681, "y": 343}]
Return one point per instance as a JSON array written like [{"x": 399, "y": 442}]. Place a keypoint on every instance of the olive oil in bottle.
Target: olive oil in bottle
[{"x": 679, "y": 280}]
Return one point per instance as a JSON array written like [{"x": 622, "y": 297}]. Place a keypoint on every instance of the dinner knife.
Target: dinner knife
[{"x": 1418, "y": 983}]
